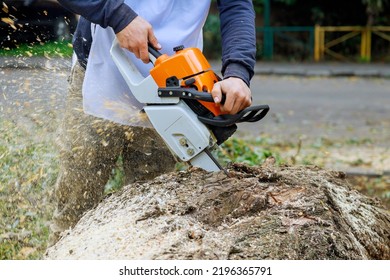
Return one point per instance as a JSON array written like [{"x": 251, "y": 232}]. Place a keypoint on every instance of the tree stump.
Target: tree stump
[{"x": 263, "y": 212}]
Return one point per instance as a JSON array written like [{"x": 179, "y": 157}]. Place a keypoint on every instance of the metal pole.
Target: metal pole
[
  {"x": 267, "y": 13},
  {"x": 268, "y": 34}
]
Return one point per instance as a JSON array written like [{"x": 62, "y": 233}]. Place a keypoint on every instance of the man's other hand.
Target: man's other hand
[
  {"x": 238, "y": 95},
  {"x": 136, "y": 36}
]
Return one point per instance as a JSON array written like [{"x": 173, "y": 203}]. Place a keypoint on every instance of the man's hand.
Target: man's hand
[
  {"x": 238, "y": 95},
  {"x": 136, "y": 36}
]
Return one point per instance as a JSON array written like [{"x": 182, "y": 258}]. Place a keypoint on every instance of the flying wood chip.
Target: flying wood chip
[{"x": 9, "y": 21}]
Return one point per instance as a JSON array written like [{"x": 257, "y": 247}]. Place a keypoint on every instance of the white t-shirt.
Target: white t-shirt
[{"x": 105, "y": 93}]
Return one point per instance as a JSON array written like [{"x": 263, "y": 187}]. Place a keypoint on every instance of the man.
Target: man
[{"x": 91, "y": 143}]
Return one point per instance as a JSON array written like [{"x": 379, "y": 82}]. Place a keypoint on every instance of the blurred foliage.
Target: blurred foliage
[
  {"x": 258, "y": 4},
  {"x": 212, "y": 37},
  {"x": 333, "y": 12},
  {"x": 373, "y": 9},
  {"x": 251, "y": 152},
  {"x": 117, "y": 178}
]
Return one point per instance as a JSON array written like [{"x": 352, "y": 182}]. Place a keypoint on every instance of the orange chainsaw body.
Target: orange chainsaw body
[{"x": 187, "y": 64}]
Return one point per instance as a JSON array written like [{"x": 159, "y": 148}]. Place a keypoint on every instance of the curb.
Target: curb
[
  {"x": 367, "y": 173},
  {"x": 325, "y": 70}
]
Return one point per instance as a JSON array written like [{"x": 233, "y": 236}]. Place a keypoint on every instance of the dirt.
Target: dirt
[{"x": 262, "y": 212}]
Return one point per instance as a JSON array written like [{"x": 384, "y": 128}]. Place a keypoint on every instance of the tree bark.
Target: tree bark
[{"x": 264, "y": 212}]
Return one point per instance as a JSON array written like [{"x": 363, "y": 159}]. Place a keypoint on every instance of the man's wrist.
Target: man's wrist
[{"x": 123, "y": 16}]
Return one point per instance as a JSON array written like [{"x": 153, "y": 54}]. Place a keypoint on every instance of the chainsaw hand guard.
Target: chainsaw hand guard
[{"x": 250, "y": 114}]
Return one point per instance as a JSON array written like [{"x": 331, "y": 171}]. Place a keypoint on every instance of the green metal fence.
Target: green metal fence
[{"x": 269, "y": 35}]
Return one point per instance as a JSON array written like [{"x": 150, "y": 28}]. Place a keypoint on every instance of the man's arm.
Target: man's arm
[
  {"x": 115, "y": 14},
  {"x": 132, "y": 31},
  {"x": 238, "y": 38},
  {"x": 238, "y": 54}
]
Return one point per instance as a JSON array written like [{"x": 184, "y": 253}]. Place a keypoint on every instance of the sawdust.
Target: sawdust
[{"x": 265, "y": 212}]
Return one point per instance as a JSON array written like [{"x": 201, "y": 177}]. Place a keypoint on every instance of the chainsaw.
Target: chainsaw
[{"x": 177, "y": 100}]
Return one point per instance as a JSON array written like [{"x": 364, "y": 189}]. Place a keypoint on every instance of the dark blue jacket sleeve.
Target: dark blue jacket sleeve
[
  {"x": 238, "y": 34},
  {"x": 113, "y": 13}
]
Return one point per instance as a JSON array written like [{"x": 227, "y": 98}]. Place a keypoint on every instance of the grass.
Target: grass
[
  {"x": 28, "y": 172},
  {"x": 29, "y": 168},
  {"x": 47, "y": 49},
  {"x": 251, "y": 152}
]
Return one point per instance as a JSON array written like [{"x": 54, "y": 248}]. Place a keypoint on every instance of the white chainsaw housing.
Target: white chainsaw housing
[{"x": 174, "y": 121}]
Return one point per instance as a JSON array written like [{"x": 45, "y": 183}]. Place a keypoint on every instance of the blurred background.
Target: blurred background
[
  {"x": 299, "y": 30},
  {"x": 287, "y": 30},
  {"x": 323, "y": 67},
  {"x": 34, "y": 22}
]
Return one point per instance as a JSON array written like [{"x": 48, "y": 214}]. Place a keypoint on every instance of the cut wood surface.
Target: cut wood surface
[{"x": 263, "y": 212}]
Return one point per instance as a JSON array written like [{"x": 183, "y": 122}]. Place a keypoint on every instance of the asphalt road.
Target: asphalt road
[
  {"x": 33, "y": 97},
  {"x": 330, "y": 107}
]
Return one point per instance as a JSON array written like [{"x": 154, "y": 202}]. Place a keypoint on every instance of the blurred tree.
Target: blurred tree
[
  {"x": 259, "y": 4},
  {"x": 212, "y": 36},
  {"x": 373, "y": 9}
]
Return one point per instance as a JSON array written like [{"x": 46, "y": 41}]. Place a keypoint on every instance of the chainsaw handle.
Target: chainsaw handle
[
  {"x": 206, "y": 96},
  {"x": 155, "y": 53},
  {"x": 138, "y": 84},
  {"x": 188, "y": 93}
]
